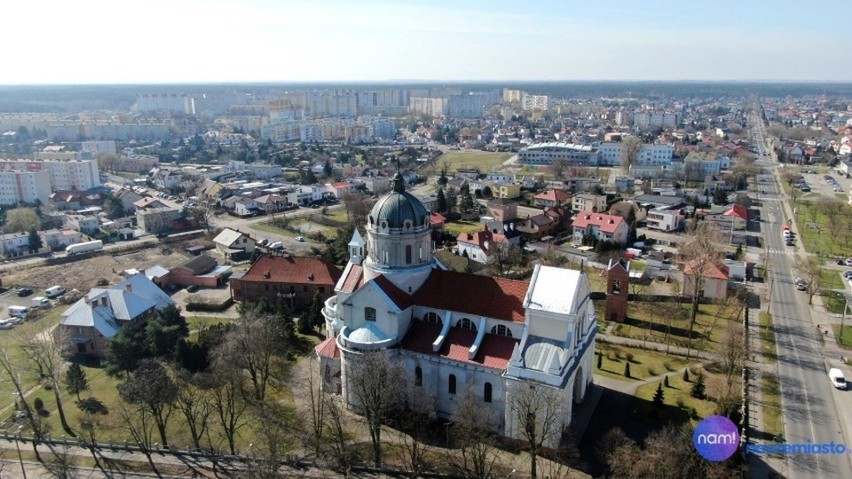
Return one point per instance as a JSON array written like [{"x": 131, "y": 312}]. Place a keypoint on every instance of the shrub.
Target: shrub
[
  {"x": 38, "y": 404},
  {"x": 686, "y": 375},
  {"x": 698, "y": 388},
  {"x": 618, "y": 354},
  {"x": 652, "y": 372},
  {"x": 629, "y": 357},
  {"x": 668, "y": 366}
]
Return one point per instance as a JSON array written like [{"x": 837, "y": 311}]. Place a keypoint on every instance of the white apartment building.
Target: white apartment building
[
  {"x": 430, "y": 106},
  {"x": 650, "y": 154},
  {"x": 510, "y": 96},
  {"x": 24, "y": 187},
  {"x": 546, "y": 153},
  {"x": 98, "y": 147},
  {"x": 533, "y": 102},
  {"x": 180, "y": 103},
  {"x": 665, "y": 219},
  {"x": 655, "y": 119},
  {"x": 64, "y": 174}
]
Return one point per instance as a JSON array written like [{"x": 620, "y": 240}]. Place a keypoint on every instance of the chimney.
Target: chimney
[
  {"x": 311, "y": 277},
  {"x": 86, "y": 298},
  {"x": 128, "y": 287}
]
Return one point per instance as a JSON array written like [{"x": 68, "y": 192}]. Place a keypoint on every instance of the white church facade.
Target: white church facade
[{"x": 456, "y": 331}]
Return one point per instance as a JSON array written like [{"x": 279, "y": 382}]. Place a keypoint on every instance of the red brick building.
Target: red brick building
[
  {"x": 617, "y": 282},
  {"x": 294, "y": 279}
]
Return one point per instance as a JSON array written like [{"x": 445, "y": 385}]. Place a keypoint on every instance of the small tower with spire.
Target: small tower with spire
[{"x": 356, "y": 248}]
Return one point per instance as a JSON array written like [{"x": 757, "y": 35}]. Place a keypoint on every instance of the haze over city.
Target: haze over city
[{"x": 186, "y": 41}]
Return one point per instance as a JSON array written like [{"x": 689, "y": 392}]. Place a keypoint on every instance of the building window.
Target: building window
[
  {"x": 452, "y": 384},
  {"x": 418, "y": 376},
  {"x": 466, "y": 323},
  {"x": 486, "y": 393},
  {"x": 292, "y": 289},
  {"x": 432, "y": 317},
  {"x": 501, "y": 330},
  {"x": 305, "y": 289},
  {"x": 408, "y": 254},
  {"x": 322, "y": 289},
  {"x": 369, "y": 314},
  {"x": 616, "y": 287}
]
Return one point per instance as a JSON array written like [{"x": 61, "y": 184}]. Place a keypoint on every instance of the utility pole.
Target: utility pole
[{"x": 843, "y": 318}]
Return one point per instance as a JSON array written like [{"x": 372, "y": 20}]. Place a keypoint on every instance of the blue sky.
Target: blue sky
[{"x": 154, "y": 41}]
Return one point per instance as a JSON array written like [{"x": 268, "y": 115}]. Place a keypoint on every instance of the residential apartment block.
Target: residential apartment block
[
  {"x": 24, "y": 187},
  {"x": 63, "y": 174}
]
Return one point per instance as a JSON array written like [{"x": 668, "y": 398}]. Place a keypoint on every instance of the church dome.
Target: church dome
[
  {"x": 368, "y": 334},
  {"x": 398, "y": 209}
]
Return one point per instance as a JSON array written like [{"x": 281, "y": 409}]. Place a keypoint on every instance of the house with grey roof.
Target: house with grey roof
[{"x": 99, "y": 315}]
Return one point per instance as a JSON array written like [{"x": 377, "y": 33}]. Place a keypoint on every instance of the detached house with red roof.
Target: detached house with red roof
[
  {"x": 711, "y": 278},
  {"x": 456, "y": 332},
  {"x": 290, "y": 279},
  {"x": 480, "y": 246},
  {"x": 552, "y": 198},
  {"x": 601, "y": 226}
]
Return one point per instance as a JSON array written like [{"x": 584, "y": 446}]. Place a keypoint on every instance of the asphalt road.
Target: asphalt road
[{"x": 813, "y": 410}]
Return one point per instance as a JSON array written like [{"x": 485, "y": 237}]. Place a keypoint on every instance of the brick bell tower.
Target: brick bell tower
[{"x": 617, "y": 282}]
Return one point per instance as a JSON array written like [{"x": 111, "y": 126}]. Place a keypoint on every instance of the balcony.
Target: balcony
[{"x": 329, "y": 310}]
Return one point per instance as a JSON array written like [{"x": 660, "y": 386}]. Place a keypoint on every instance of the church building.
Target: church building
[{"x": 456, "y": 331}]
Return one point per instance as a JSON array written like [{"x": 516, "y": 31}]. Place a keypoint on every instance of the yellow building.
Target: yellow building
[{"x": 506, "y": 191}]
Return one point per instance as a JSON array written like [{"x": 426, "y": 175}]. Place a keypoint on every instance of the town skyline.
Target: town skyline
[{"x": 261, "y": 41}]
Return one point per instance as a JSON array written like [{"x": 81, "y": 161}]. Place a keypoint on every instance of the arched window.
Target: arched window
[
  {"x": 408, "y": 254},
  {"x": 432, "y": 317},
  {"x": 452, "y": 384},
  {"x": 486, "y": 393},
  {"x": 616, "y": 287},
  {"x": 369, "y": 314},
  {"x": 466, "y": 323},
  {"x": 418, "y": 376},
  {"x": 501, "y": 330}
]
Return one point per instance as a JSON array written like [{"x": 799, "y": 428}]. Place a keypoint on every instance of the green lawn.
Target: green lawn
[
  {"x": 197, "y": 322},
  {"x": 644, "y": 363},
  {"x": 846, "y": 342},
  {"x": 662, "y": 322},
  {"x": 482, "y": 160},
  {"x": 831, "y": 279},
  {"x": 677, "y": 395},
  {"x": 773, "y": 425},
  {"x": 767, "y": 337},
  {"x": 818, "y": 234},
  {"x": 457, "y": 227}
]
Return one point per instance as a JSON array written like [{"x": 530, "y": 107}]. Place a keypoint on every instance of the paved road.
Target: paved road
[{"x": 808, "y": 399}]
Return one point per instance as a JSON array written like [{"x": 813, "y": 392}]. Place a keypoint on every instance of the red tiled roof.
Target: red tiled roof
[
  {"x": 498, "y": 298},
  {"x": 293, "y": 269},
  {"x": 494, "y": 351},
  {"x": 437, "y": 218},
  {"x": 606, "y": 223},
  {"x": 738, "y": 210},
  {"x": 559, "y": 196},
  {"x": 353, "y": 280},
  {"x": 339, "y": 185},
  {"x": 479, "y": 238},
  {"x": 398, "y": 296},
  {"x": 328, "y": 348},
  {"x": 715, "y": 271}
]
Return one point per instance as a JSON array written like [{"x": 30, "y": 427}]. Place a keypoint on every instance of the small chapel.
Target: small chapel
[{"x": 455, "y": 331}]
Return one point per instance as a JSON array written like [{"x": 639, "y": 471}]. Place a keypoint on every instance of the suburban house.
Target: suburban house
[
  {"x": 148, "y": 203},
  {"x": 157, "y": 220},
  {"x": 338, "y": 189},
  {"x": 293, "y": 279},
  {"x": 664, "y": 219},
  {"x": 549, "y": 222},
  {"x": 167, "y": 179},
  {"x": 85, "y": 224},
  {"x": 234, "y": 245},
  {"x": 739, "y": 216},
  {"x": 14, "y": 244},
  {"x": 59, "y": 239},
  {"x": 713, "y": 281},
  {"x": 99, "y": 315},
  {"x": 506, "y": 191},
  {"x": 437, "y": 221},
  {"x": 502, "y": 210},
  {"x": 589, "y": 202},
  {"x": 271, "y": 203},
  {"x": 552, "y": 198},
  {"x": 128, "y": 199},
  {"x": 601, "y": 226},
  {"x": 480, "y": 246}
]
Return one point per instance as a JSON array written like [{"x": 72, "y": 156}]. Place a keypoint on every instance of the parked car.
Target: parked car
[
  {"x": 801, "y": 287},
  {"x": 276, "y": 245},
  {"x": 300, "y": 239},
  {"x": 192, "y": 288},
  {"x": 848, "y": 261},
  {"x": 837, "y": 379},
  {"x": 262, "y": 241},
  {"x": 847, "y": 274},
  {"x": 25, "y": 292}
]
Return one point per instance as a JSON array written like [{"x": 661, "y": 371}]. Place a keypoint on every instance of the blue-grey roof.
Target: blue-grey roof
[
  {"x": 540, "y": 352},
  {"x": 398, "y": 206}
]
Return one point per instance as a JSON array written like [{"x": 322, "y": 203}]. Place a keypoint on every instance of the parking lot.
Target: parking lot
[
  {"x": 11, "y": 298},
  {"x": 819, "y": 185}
]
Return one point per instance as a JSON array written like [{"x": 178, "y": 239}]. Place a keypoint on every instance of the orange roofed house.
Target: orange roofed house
[
  {"x": 602, "y": 226},
  {"x": 294, "y": 279},
  {"x": 711, "y": 277}
]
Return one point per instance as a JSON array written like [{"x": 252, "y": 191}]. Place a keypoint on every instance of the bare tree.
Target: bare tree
[
  {"x": 194, "y": 402},
  {"x": 630, "y": 149},
  {"x": 809, "y": 267},
  {"x": 275, "y": 437},
  {"x": 39, "y": 429},
  {"x": 314, "y": 405},
  {"x": 46, "y": 354},
  {"x": 414, "y": 422},
  {"x": 732, "y": 351},
  {"x": 140, "y": 424},
  {"x": 537, "y": 413},
  {"x": 338, "y": 443},
  {"x": 202, "y": 213},
  {"x": 253, "y": 345},
  {"x": 557, "y": 168},
  {"x": 701, "y": 254},
  {"x": 375, "y": 388},
  {"x": 474, "y": 437},
  {"x": 151, "y": 387},
  {"x": 228, "y": 403},
  {"x": 357, "y": 207},
  {"x": 90, "y": 425}
]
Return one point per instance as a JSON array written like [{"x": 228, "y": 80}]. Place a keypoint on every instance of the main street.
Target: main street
[{"x": 810, "y": 404}]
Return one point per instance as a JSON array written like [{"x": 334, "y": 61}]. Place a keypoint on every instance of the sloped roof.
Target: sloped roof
[
  {"x": 352, "y": 279},
  {"x": 488, "y": 296},
  {"x": 737, "y": 210},
  {"x": 227, "y": 237},
  {"x": 199, "y": 264},
  {"x": 294, "y": 270},
  {"x": 328, "y": 348},
  {"x": 710, "y": 270},
  {"x": 606, "y": 223},
  {"x": 494, "y": 351},
  {"x": 398, "y": 296},
  {"x": 559, "y": 196},
  {"x": 156, "y": 271}
]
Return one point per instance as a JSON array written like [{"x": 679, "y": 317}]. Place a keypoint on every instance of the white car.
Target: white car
[
  {"x": 837, "y": 379},
  {"x": 848, "y": 261},
  {"x": 300, "y": 239},
  {"x": 276, "y": 245}
]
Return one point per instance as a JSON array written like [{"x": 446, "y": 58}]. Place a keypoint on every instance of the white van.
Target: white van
[
  {"x": 18, "y": 311},
  {"x": 837, "y": 379},
  {"x": 54, "y": 291},
  {"x": 41, "y": 302}
]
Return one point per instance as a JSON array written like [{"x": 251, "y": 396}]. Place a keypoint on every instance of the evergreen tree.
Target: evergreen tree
[
  {"x": 627, "y": 370},
  {"x": 326, "y": 168},
  {"x": 698, "y": 388},
  {"x": 666, "y": 382},
  {"x": 600, "y": 360},
  {"x": 317, "y": 319},
  {"x": 466, "y": 200},
  {"x": 441, "y": 203},
  {"x": 659, "y": 397},
  {"x": 75, "y": 380},
  {"x": 686, "y": 375},
  {"x": 305, "y": 326},
  {"x": 34, "y": 240},
  {"x": 631, "y": 225},
  {"x": 442, "y": 180},
  {"x": 165, "y": 329}
]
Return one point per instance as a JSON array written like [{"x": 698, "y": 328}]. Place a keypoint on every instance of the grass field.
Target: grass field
[
  {"x": 771, "y": 390},
  {"x": 678, "y": 394},
  {"x": 818, "y": 233},
  {"x": 457, "y": 227},
  {"x": 767, "y": 338},
  {"x": 482, "y": 160},
  {"x": 662, "y": 322},
  {"x": 643, "y": 363},
  {"x": 846, "y": 343}
]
